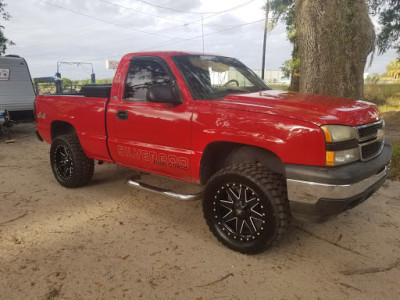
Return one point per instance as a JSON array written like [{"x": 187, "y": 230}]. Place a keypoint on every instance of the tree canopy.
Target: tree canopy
[
  {"x": 4, "y": 42},
  {"x": 389, "y": 19},
  {"x": 285, "y": 10},
  {"x": 388, "y": 12}
]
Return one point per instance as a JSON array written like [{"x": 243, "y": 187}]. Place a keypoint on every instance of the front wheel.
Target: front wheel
[
  {"x": 71, "y": 167},
  {"x": 246, "y": 207}
]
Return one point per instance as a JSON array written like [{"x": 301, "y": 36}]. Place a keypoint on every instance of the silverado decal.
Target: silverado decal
[{"x": 169, "y": 160}]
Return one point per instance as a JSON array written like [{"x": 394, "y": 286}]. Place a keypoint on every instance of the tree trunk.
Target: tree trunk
[
  {"x": 294, "y": 82},
  {"x": 335, "y": 38},
  {"x": 295, "y": 76}
]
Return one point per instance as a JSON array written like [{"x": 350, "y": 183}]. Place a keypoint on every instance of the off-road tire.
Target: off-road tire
[
  {"x": 258, "y": 200},
  {"x": 71, "y": 167}
]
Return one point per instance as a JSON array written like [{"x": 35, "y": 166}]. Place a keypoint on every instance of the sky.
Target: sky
[{"x": 92, "y": 31}]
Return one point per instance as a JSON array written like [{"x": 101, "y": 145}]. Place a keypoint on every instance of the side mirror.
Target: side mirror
[{"x": 163, "y": 94}]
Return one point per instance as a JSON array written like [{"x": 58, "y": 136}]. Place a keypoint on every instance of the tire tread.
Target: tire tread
[
  {"x": 274, "y": 186},
  {"x": 84, "y": 166}
]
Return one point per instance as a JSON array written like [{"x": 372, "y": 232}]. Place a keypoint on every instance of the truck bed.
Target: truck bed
[
  {"x": 96, "y": 90},
  {"x": 86, "y": 114}
]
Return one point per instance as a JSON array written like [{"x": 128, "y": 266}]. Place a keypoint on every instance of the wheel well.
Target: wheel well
[
  {"x": 218, "y": 155},
  {"x": 59, "y": 128}
]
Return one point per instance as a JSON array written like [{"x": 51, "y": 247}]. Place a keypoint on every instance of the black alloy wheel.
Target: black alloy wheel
[
  {"x": 63, "y": 162},
  {"x": 246, "y": 207},
  {"x": 239, "y": 210},
  {"x": 71, "y": 167}
]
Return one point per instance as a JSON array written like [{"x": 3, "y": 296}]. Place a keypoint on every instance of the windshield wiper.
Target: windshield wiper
[{"x": 221, "y": 94}]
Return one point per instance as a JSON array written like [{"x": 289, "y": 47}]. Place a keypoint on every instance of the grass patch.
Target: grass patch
[
  {"x": 395, "y": 168},
  {"x": 385, "y": 96},
  {"x": 391, "y": 104},
  {"x": 380, "y": 93}
]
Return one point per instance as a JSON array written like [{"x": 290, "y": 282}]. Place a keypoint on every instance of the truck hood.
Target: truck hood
[{"x": 316, "y": 109}]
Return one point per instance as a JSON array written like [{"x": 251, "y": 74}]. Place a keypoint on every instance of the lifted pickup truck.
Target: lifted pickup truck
[{"x": 262, "y": 155}]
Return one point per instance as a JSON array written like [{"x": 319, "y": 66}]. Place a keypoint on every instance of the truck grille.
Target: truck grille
[
  {"x": 371, "y": 139},
  {"x": 369, "y": 130},
  {"x": 371, "y": 150}
]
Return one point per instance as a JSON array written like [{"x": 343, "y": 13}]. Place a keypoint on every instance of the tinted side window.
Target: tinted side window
[{"x": 143, "y": 74}]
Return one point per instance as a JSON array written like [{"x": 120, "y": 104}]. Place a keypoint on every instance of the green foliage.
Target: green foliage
[
  {"x": 285, "y": 10},
  {"x": 104, "y": 81},
  {"x": 74, "y": 86},
  {"x": 385, "y": 96},
  {"x": 46, "y": 88},
  {"x": 290, "y": 65},
  {"x": 393, "y": 69},
  {"x": 4, "y": 42},
  {"x": 395, "y": 167},
  {"x": 281, "y": 9},
  {"x": 66, "y": 81},
  {"x": 389, "y": 19},
  {"x": 69, "y": 86},
  {"x": 374, "y": 79}
]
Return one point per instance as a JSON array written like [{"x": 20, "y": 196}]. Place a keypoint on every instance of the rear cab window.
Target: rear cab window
[{"x": 143, "y": 73}]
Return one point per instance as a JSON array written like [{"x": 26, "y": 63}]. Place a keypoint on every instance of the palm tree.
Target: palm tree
[{"x": 393, "y": 69}]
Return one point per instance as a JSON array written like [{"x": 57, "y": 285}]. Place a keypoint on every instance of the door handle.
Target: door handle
[{"x": 122, "y": 115}]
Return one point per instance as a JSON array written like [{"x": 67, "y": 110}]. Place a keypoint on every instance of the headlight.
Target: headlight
[
  {"x": 339, "y": 133},
  {"x": 341, "y": 145},
  {"x": 337, "y": 158}
]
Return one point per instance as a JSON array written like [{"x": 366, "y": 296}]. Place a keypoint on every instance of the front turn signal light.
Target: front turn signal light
[
  {"x": 330, "y": 158},
  {"x": 328, "y": 136}
]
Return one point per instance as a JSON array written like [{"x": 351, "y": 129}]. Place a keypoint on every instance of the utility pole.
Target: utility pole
[{"x": 265, "y": 39}]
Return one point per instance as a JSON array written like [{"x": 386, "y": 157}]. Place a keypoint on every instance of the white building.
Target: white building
[{"x": 273, "y": 76}]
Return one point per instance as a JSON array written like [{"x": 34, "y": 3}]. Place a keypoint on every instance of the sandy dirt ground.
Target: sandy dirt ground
[{"x": 111, "y": 241}]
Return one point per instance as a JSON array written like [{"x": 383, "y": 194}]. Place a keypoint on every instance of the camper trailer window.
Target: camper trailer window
[{"x": 4, "y": 74}]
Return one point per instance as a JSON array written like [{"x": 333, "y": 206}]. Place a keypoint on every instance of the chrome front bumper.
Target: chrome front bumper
[
  {"x": 317, "y": 193},
  {"x": 311, "y": 192}
]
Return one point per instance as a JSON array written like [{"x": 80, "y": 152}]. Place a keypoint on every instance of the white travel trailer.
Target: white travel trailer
[{"x": 16, "y": 89}]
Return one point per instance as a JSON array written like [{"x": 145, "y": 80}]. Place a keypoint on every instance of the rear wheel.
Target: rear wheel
[
  {"x": 70, "y": 165},
  {"x": 246, "y": 207}
]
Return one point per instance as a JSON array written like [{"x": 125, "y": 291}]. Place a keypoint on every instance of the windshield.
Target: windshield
[{"x": 213, "y": 77}]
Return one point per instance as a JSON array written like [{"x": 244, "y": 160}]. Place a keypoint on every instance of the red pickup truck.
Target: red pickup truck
[{"x": 262, "y": 155}]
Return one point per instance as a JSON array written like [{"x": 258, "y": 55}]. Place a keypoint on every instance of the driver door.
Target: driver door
[{"x": 150, "y": 136}]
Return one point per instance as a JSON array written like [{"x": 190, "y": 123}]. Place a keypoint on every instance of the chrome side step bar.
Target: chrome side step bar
[{"x": 165, "y": 192}]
